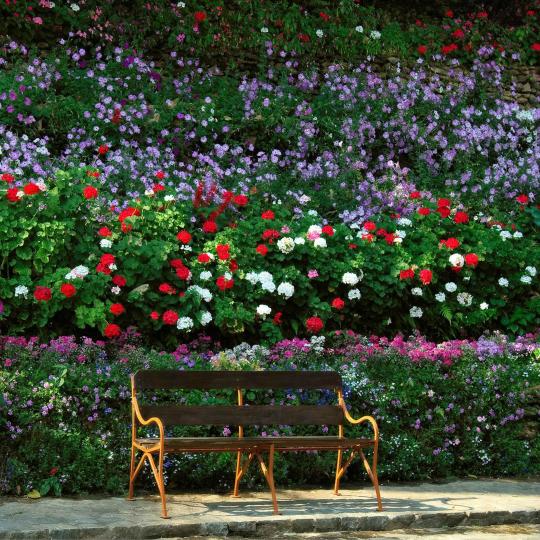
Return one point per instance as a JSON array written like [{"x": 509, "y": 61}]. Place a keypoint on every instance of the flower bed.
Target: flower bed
[{"x": 448, "y": 409}]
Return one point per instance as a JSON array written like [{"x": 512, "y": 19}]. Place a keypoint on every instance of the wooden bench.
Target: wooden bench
[{"x": 247, "y": 448}]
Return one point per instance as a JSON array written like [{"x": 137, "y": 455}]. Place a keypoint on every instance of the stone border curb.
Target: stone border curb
[{"x": 265, "y": 528}]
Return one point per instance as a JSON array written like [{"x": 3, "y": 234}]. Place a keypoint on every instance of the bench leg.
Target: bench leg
[
  {"x": 372, "y": 473},
  {"x": 158, "y": 475},
  {"x": 133, "y": 474},
  {"x": 241, "y": 469},
  {"x": 268, "y": 473},
  {"x": 338, "y": 468}
]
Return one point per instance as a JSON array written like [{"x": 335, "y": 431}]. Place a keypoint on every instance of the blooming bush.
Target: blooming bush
[
  {"x": 229, "y": 263},
  {"x": 453, "y": 408}
]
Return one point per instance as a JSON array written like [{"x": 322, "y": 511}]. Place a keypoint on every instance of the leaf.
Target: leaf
[{"x": 34, "y": 494}]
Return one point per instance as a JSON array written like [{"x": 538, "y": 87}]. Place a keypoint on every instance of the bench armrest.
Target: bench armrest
[
  {"x": 138, "y": 417},
  {"x": 361, "y": 420}
]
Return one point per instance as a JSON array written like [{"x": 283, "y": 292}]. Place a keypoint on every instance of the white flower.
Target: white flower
[
  {"x": 79, "y": 272},
  {"x": 531, "y": 270},
  {"x": 354, "y": 294},
  {"x": 359, "y": 28},
  {"x": 252, "y": 277},
  {"x": 404, "y": 222},
  {"x": 518, "y": 234},
  {"x": 169, "y": 198},
  {"x": 350, "y": 278},
  {"x": 398, "y": 240},
  {"x": 484, "y": 305},
  {"x": 205, "y": 294},
  {"x": 116, "y": 290},
  {"x": 269, "y": 286},
  {"x": 299, "y": 241},
  {"x": 184, "y": 323},
  {"x": 205, "y": 275},
  {"x": 105, "y": 244},
  {"x": 525, "y": 279},
  {"x": 74, "y": 7},
  {"x": 315, "y": 229},
  {"x": 503, "y": 282},
  {"x": 465, "y": 299},
  {"x": 149, "y": 192},
  {"x": 440, "y": 297},
  {"x": 206, "y": 318},
  {"x": 264, "y": 30},
  {"x": 456, "y": 260},
  {"x": 263, "y": 310},
  {"x": 181, "y": 5},
  {"x": 417, "y": 291},
  {"x": 375, "y": 34},
  {"x": 285, "y": 244},
  {"x": 313, "y": 213},
  {"x": 401, "y": 234},
  {"x": 113, "y": 266},
  {"x": 21, "y": 290},
  {"x": 451, "y": 286},
  {"x": 505, "y": 235},
  {"x": 285, "y": 289},
  {"x": 227, "y": 275},
  {"x": 319, "y": 33},
  {"x": 319, "y": 243},
  {"x": 265, "y": 276},
  {"x": 416, "y": 312},
  {"x": 185, "y": 247}
]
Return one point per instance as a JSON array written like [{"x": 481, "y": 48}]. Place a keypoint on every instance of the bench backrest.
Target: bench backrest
[{"x": 178, "y": 414}]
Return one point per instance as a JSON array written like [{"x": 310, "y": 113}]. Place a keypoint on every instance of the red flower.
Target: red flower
[
  {"x": 328, "y": 230},
  {"x": 531, "y": 12},
  {"x": 522, "y": 199},
  {"x": 369, "y": 226},
  {"x": 449, "y": 13},
  {"x": 127, "y": 213},
  {"x": 324, "y": 16},
  {"x": 406, "y": 274},
  {"x": 443, "y": 202},
  {"x": 31, "y": 189},
  {"x": 126, "y": 227},
  {"x": 204, "y": 258},
  {"x": 447, "y": 49},
  {"x": 268, "y": 214},
  {"x": 158, "y": 187},
  {"x": 240, "y": 200},
  {"x": 451, "y": 243},
  {"x": 53, "y": 471},
  {"x": 415, "y": 195},
  {"x": 270, "y": 235},
  {"x": 176, "y": 263},
  {"x": 105, "y": 231},
  {"x": 535, "y": 47},
  {"x": 223, "y": 283},
  {"x": 170, "y": 317},
  {"x": 261, "y": 249},
  {"x": 119, "y": 280},
  {"x": 314, "y": 325},
  {"x": 107, "y": 259},
  {"x": 422, "y": 49},
  {"x": 443, "y": 211},
  {"x": 165, "y": 288},
  {"x": 461, "y": 217},
  {"x": 200, "y": 16},
  {"x": 222, "y": 251},
  {"x": 209, "y": 227},
  {"x": 425, "y": 276},
  {"x": 160, "y": 175},
  {"x": 183, "y": 273},
  {"x": 458, "y": 33},
  {"x": 424, "y": 211},
  {"x": 277, "y": 318},
  {"x": 304, "y": 38},
  {"x": 90, "y": 192},
  {"x": 42, "y": 294},
  {"x": 471, "y": 259},
  {"x": 338, "y": 303},
  {"x": 103, "y": 149},
  {"x": 154, "y": 315},
  {"x": 11, "y": 194},
  {"x": 389, "y": 238},
  {"x": 112, "y": 331},
  {"x": 184, "y": 237},
  {"x": 7, "y": 177},
  {"x": 482, "y": 15},
  {"x": 233, "y": 266},
  {"x": 68, "y": 290},
  {"x": 117, "y": 309}
]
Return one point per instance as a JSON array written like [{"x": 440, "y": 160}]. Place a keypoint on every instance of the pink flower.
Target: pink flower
[
  {"x": 37, "y": 20},
  {"x": 313, "y": 235},
  {"x": 312, "y": 274}
]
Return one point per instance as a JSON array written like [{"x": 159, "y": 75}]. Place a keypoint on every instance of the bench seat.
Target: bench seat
[{"x": 227, "y": 444}]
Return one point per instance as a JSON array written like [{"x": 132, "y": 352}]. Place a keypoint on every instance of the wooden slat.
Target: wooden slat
[
  {"x": 205, "y": 380},
  {"x": 210, "y": 444},
  {"x": 222, "y": 415}
]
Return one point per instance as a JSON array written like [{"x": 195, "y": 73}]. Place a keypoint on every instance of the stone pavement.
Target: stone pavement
[{"x": 305, "y": 513}]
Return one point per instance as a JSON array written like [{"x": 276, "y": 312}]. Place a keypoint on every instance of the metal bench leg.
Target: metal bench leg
[
  {"x": 372, "y": 473},
  {"x": 241, "y": 469},
  {"x": 158, "y": 475},
  {"x": 268, "y": 473},
  {"x": 338, "y": 468},
  {"x": 134, "y": 475},
  {"x": 131, "y": 475}
]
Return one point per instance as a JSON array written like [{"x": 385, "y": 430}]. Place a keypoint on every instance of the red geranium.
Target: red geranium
[
  {"x": 223, "y": 283},
  {"x": 184, "y": 237},
  {"x": 422, "y": 49},
  {"x": 112, "y": 331},
  {"x": 183, "y": 273},
  {"x": 103, "y": 149},
  {"x": 154, "y": 315},
  {"x": 12, "y": 194},
  {"x": 415, "y": 195},
  {"x": 233, "y": 266},
  {"x": 471, "y": 259},
  {"x": 204, "y": 258},
  {"x": 165, "y": 288},
  {"x": 240, "y": 200},
  {"x": 270, "y": 235},
  {"x": 522, "y": 199},
  {"x": 424, "y": 211},
  {"x": 461, "y": 217},
  {"x": 277, "y": 318},
  {"x": 324, "y": 16},
  {"x": 176, "y": 263},
  {"x": 222, "y": 251},
  {"x": 117, "y": 309},
  {"x": 482, "y": 14},
  {"x": 328, "y": 230},
  {"x": 90, "y": 192},
  {"x": 199, "y": 16},
  {"x": 406, "y": 274},
  {"x": 369, "y": 226},
  {"x": 105, "y": 231},
  {"x": 338, "y": 303},
  {"x": 42, "y": 294},
  {"x": 68, "y": 290},
  {"x": 451, "y": 243},
  {"x": 7, "y": 177},
  {"x": 170, "y": 317},
  {"x": 31, "y": 189},
  {"x": 119, "y": 280},
  {"x": 158, "y": 187},
  {"x": 209, "y": 227},
  {"x": 449, "y": 13},
  {"x": 127, "y": 213},
  {"x": 458, "y": 33},
  {"x": 268, "y": 214},
  {"x": 304, "y": 38},
  {"x": 535, "y": 47},
  {"x": 160, "y": 175},
  {"x": 443, "y": 202},
  {"x": 261, "y": 249},
  {"x": 314, "y": 325},
  {"x": 443, "y": 211},
  {"x": 447, "y": 49},
  {"x": 425, "y": 276}
]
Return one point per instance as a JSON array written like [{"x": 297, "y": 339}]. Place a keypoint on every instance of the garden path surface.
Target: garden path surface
[{"x": 456, "y": 507}]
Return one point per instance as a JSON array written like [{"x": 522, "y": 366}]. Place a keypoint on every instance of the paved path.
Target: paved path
[{"x": 415, "y": 507}]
